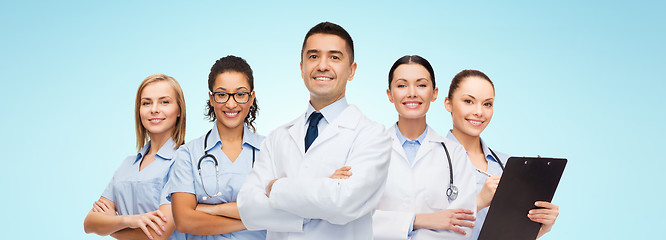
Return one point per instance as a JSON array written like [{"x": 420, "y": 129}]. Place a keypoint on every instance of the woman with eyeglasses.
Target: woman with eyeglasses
[
  {"x": 133, "y": 205},
  {"x": 210, "y": 170}
]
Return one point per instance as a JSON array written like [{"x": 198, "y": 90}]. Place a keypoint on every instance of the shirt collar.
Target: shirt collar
[
  {"x": 166, "y": 152},
  {"x": 213, "y": 138},
  {"x": 249, "y": 138},
  {"x": 484, "y": 147},
  {"x": 330, "y": 112},
  {"x": 402, "y": 139}
]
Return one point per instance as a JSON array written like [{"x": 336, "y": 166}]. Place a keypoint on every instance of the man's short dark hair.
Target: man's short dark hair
[{"x": 334, "y": 29}]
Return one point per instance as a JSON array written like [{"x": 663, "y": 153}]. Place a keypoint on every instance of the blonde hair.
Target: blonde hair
[{"x": 178, "y": 135}]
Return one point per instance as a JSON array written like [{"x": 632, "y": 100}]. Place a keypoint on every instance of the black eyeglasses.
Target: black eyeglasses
[{"x": 223, "y": 97}]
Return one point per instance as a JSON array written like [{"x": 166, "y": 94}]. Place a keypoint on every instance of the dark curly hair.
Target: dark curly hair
[{"x": 235, "y": 64}]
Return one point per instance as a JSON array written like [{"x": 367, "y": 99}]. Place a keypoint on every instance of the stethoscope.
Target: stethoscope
[
  {"x": 452, "y": 191},
  {"x": 217, "y": 169},
  {"x": 498, "y": 159}
]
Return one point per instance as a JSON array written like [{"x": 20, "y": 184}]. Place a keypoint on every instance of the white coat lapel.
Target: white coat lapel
[
  {"x": 397, "y": 147},
  {"x": 297, "y": 133},
  {"x": 432, "y": 140},
  {"x": 424, "y": 149},
  {"x": 330, "y": 131},
  {"x": 348, "y": 119}
]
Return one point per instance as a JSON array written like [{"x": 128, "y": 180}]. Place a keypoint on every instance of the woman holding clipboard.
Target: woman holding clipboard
[{"x": 470, "y": 102}]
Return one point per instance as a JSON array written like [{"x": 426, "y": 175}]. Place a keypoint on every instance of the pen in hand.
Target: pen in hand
[{"x": 484, "y": 172}]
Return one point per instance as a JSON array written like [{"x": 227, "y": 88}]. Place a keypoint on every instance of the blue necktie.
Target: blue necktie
[{"x": 312, "y": 129}]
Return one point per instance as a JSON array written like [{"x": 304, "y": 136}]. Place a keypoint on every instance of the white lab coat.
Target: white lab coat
[
  {"x": 305, "y": 203},
  {"x": 421, "y": 188}
]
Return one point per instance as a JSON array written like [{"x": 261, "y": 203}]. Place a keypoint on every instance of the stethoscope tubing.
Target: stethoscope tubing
[
  {"x": 452, "y": 190},
  {"x": 217, "y": 168},
  {"x": 498, "y": 159}
]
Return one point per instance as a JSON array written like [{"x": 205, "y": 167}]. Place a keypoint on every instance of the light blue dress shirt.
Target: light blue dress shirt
[
  {"x": 411, "y": 147},
  {"x": 494, "y": 169},
  {"x": 330, "y": 113},
  {"x": 184, "y": 176},
  {"x": 138, "y": 192}
]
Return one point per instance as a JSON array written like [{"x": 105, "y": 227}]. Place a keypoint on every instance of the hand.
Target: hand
[
  {"x": 154, "y": 220},
  {"x": 101, "y": 207},
  {"x": 487, "y": 193},
  {"x": 448, "y": 219},
  {"x": 545, "y": 215},
  {"x": 269, "y": 187},
  {"x": 342, "y": 173}
]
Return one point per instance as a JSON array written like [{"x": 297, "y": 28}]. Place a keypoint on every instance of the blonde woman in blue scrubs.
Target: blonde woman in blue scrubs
[
  {"x": 415, "y": 204},
  {"x": 210, "y": 170},
  {"x": 470, "y": 102},
  {"x": 133, "y": 205}
]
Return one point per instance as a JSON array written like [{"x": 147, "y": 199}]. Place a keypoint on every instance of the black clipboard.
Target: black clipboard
[{"x": 525, "y": 180}]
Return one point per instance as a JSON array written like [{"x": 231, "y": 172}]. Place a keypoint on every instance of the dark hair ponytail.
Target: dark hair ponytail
[{"x": 455, "y": 82}]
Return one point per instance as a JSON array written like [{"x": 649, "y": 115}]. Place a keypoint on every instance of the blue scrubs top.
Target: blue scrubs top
[
  {"x": 494, "y": 169},
  {"x": 184, "y": 177},
  {"x": 138, "y": 192}
]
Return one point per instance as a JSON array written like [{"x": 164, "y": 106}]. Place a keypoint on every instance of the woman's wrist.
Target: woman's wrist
[
  {"x": 417, "y": 221},
  {"x": 480, "y": 203},
  {"x": 124, "y": 221}
]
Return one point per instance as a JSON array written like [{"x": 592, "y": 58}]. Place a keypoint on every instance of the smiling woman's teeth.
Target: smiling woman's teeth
[
  {"x": 412, "y": 104},
  {"x": 231, "y": 114},
  {"x": 475, "y": 122}
]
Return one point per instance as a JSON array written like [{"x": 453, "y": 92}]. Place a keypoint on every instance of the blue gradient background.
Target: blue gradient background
[{"x": 580, "y": 80}]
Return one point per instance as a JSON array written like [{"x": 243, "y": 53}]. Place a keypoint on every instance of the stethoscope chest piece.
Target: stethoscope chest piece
[{"x": 452, "y": 192}]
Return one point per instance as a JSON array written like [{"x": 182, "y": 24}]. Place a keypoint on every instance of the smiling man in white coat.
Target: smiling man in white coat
[{"x": 290, "y": 192}]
